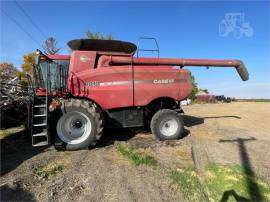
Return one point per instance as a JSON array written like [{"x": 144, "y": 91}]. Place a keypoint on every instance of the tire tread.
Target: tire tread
[{"x": 92, "y": 109}]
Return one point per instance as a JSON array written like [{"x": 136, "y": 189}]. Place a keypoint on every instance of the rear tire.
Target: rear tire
[
  {"x": 167, "y": 124},
  {"x": 77, "y": 125}
]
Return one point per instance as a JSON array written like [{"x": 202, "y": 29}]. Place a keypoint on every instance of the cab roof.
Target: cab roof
[{"x": 58, "y": 57}]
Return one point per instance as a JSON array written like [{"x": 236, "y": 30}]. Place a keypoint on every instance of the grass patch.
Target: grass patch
[
  {"x": 45, "y": 172},
  {"x": 189, "y": 183},
  {"x": 11, "y": 131},
  {"x": 236, "y": 182},
  {"x": 221, "y": 183},
  {"x": 137, "y": 157},
  {"x": 52, "y": 168}
]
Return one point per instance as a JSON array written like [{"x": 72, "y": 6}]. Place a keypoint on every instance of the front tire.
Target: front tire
[
  {"x": 166, "y": 124},
  {"x": 78, "y": 125}
]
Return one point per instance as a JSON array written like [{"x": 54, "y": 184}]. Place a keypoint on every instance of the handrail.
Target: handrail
[{"x": 150, "y": 50}]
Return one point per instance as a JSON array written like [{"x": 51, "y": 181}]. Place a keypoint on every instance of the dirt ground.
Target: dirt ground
[{"x": 222, "y": 133}]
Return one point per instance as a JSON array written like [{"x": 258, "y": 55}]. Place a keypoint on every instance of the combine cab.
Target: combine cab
[{"x": 102, "y": 82}]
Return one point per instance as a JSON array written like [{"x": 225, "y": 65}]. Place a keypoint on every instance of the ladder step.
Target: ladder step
[
  {"x": 40, "y": 134},
  {"x": 39, "y": 144},
  {"x": 40, "y": 124},
  {"x": 39, "y": 115},
  {"x": 39, "y": 105}
]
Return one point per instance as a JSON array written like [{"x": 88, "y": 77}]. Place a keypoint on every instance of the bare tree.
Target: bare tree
[
  {"x": 8, "y": 71},
  {"x": 50, "y": 46}
]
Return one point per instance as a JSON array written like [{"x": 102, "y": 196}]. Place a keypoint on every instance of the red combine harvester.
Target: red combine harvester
[{"x": 102, "y": 83}]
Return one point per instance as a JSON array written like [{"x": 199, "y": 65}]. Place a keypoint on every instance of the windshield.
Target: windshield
[{"x": 56, "y": 71}]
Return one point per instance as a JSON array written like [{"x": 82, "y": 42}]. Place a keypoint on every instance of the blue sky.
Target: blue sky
[{"x": 188, "y": 29}]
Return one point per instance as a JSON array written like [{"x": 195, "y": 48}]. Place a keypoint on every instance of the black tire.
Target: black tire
[
  {"x": 89, "y": 110},
  {"x": 161, "y": 118}
]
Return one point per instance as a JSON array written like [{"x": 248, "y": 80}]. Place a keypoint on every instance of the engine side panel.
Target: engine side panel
[{"x": 151, "y": 82}]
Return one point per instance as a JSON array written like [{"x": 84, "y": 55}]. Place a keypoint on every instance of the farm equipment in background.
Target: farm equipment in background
[
  {"x": 206, "y": 99},
  {"x": 102, "y": 84},
  {"x": 222, "y": 98},
  {"x": 15, "y": 103}
]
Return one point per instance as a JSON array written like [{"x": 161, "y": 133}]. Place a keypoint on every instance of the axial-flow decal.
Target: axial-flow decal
[{"x": 156, "y": 81}]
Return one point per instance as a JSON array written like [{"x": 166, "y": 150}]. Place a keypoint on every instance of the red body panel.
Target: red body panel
[
  {"x": 108, "y": 95},
  {"x": 112, "y": 86},
  {"x": 152, "y": 82}
]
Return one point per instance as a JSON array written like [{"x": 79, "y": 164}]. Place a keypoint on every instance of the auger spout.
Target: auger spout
[{"x": 237, "y": 64}]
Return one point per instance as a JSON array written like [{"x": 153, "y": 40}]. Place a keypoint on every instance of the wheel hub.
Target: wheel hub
[
  {"x": 78, "y": 124},
  {"x": 169, "y": 127},
  {"x": 74, "y": 127}
]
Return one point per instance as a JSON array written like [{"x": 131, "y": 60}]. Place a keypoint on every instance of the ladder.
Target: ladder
[
  {"x": 40, "y": 116},
  {"x": 40, "y": 129}
]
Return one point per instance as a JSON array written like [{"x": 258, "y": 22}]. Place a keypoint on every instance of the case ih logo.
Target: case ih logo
[
  {"x": 84, "y": 58},
  {"x": 163, "y": 81}
]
